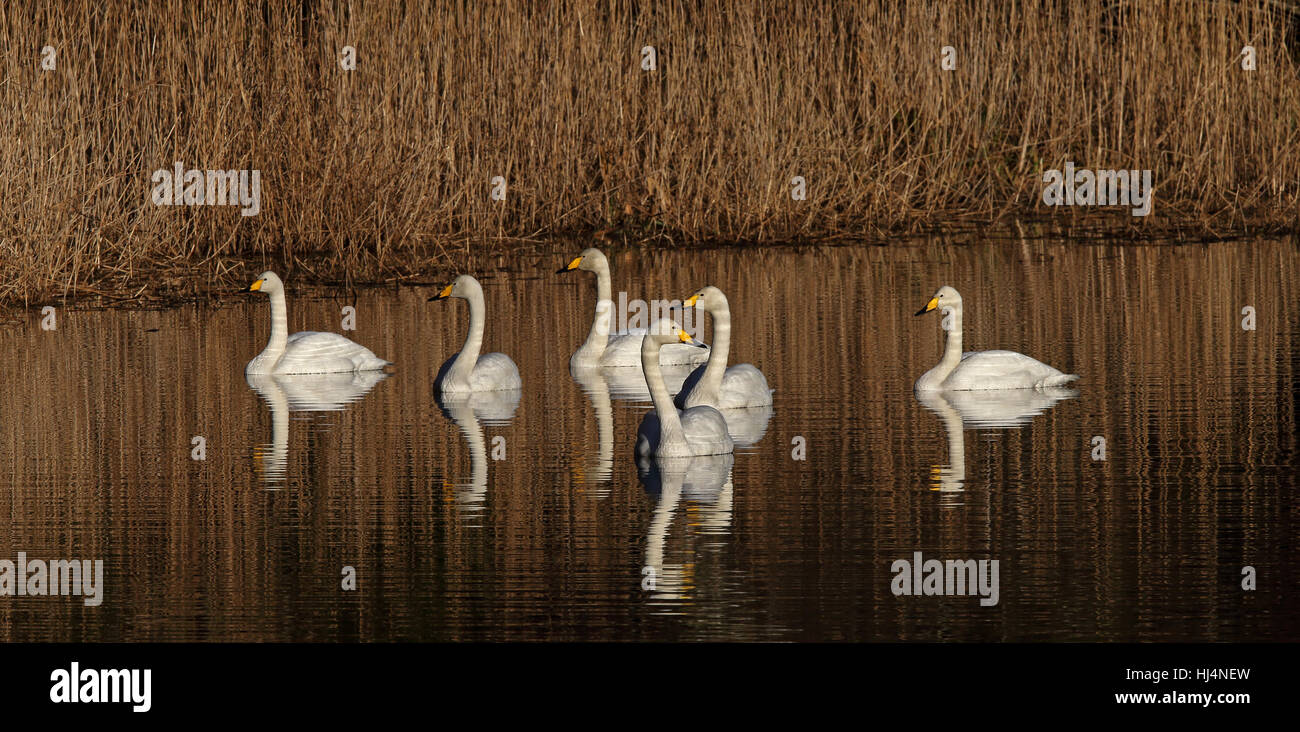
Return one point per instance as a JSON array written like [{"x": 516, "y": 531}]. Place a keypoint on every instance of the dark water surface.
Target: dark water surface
[{"x": 494, "y": 520}]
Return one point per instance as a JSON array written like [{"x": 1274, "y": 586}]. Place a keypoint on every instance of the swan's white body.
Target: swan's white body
[
  {"x": 603, "y": 348},
  {"x": 715, "y": 384},
  {"x": 982, "y": 370},
  {"x": 747, "y": 425},
  {"x": 667, "y": 432},
  {"x": 467, "y": 371},
  {"x": 308, "y": 352}
]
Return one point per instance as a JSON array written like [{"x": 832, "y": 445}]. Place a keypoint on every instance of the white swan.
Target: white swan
[
  {"x": 308, "y": 352},
  {"x": 666, "y": 432},
  {"x": 467, "y": 371},
  {"x": 603, "y": 348},
  {"x": 714, "y": 384},
  {"x": 977, "y": 370}
]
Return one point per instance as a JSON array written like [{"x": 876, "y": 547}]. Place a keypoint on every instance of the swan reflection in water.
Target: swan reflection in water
[
  {"x": 285, "y": 393},
  {"x": 704, "y": 482},
  {"x": 471, "y": 411},
  {"x": 996, "y": 409},
  {"x": 598, "y": 472}
]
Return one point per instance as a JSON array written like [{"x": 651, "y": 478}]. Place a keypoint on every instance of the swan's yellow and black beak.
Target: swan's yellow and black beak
[
  {"x": 255, "y": 286},
  {"x": 689, "y": 302},
  {"x": 934, "y": 303},
  {"x": 572, "y": 266},
  {"x": 686, "y": 338},
  {"x": 446, "y": 293}
]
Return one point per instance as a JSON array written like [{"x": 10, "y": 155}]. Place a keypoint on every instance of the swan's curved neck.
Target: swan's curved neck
[
  {"x": 670, "y": 424},
  {"x": 952, "y": 344},
  {"x": 717, "y": 363},
  {"x": 464, "y": 366},
  {"x": 279, "y": 328},
  {"x": 598, "y": 337}
]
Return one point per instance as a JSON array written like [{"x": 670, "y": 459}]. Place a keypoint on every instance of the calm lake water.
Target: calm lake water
[{"x": 523, "y": 520}]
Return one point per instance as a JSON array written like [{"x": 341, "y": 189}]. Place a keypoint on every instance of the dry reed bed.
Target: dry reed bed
[{"x": 383, "y": 172}]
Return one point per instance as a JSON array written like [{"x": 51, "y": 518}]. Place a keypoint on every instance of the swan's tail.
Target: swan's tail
[{"x": 1058, "y": 380}]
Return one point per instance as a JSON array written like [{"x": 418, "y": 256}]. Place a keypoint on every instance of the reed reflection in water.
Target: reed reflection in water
[{"x": 546, "y": 532}]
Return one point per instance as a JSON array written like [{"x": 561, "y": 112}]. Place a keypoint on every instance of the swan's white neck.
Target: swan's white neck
[
  {"x": 598, "y": 337},
  {"x": 711, "y": 381},
  {"x": 463, "y": 367},
  {"x": 670, "y": 424},
  {"x": 265, "y": 361},
  {"x": 952, "y": 346}
]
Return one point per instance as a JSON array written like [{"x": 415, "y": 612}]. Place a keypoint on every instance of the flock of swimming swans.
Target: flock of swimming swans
[
  {"x": 712, "y": 406},
  {"x": 703, "y": 407}
]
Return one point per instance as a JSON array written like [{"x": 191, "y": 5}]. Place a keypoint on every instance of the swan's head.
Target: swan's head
[
  {"x": 590, "y": 260},
  {"x": 268, "y": 283},
  {"x": 463, "y": 287},
  {"x": 707, "y": 298},
  {"x": 946, "y": 297},
  {"x": 666, "y": 330}
]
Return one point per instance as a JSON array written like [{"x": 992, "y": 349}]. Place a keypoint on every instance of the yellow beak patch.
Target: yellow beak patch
[
  {"x": 934, "y": 303},
  {"x": 690, "y": 302},
  {"x": 256, "y": 286},
  {"x": 574, "y": 264},
  {"x": 684, "y": 337},
  {"x": 446, "y": 291}
]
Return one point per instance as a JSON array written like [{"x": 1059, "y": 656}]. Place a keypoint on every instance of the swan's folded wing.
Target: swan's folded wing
[
  {"x": 623, "y": 349},
  {"x": 495, "y": 371},
  {"x": 706, "y": 426},
  {"x": 327, "y": 351},
  {"x": 1003, "y": 369}
]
